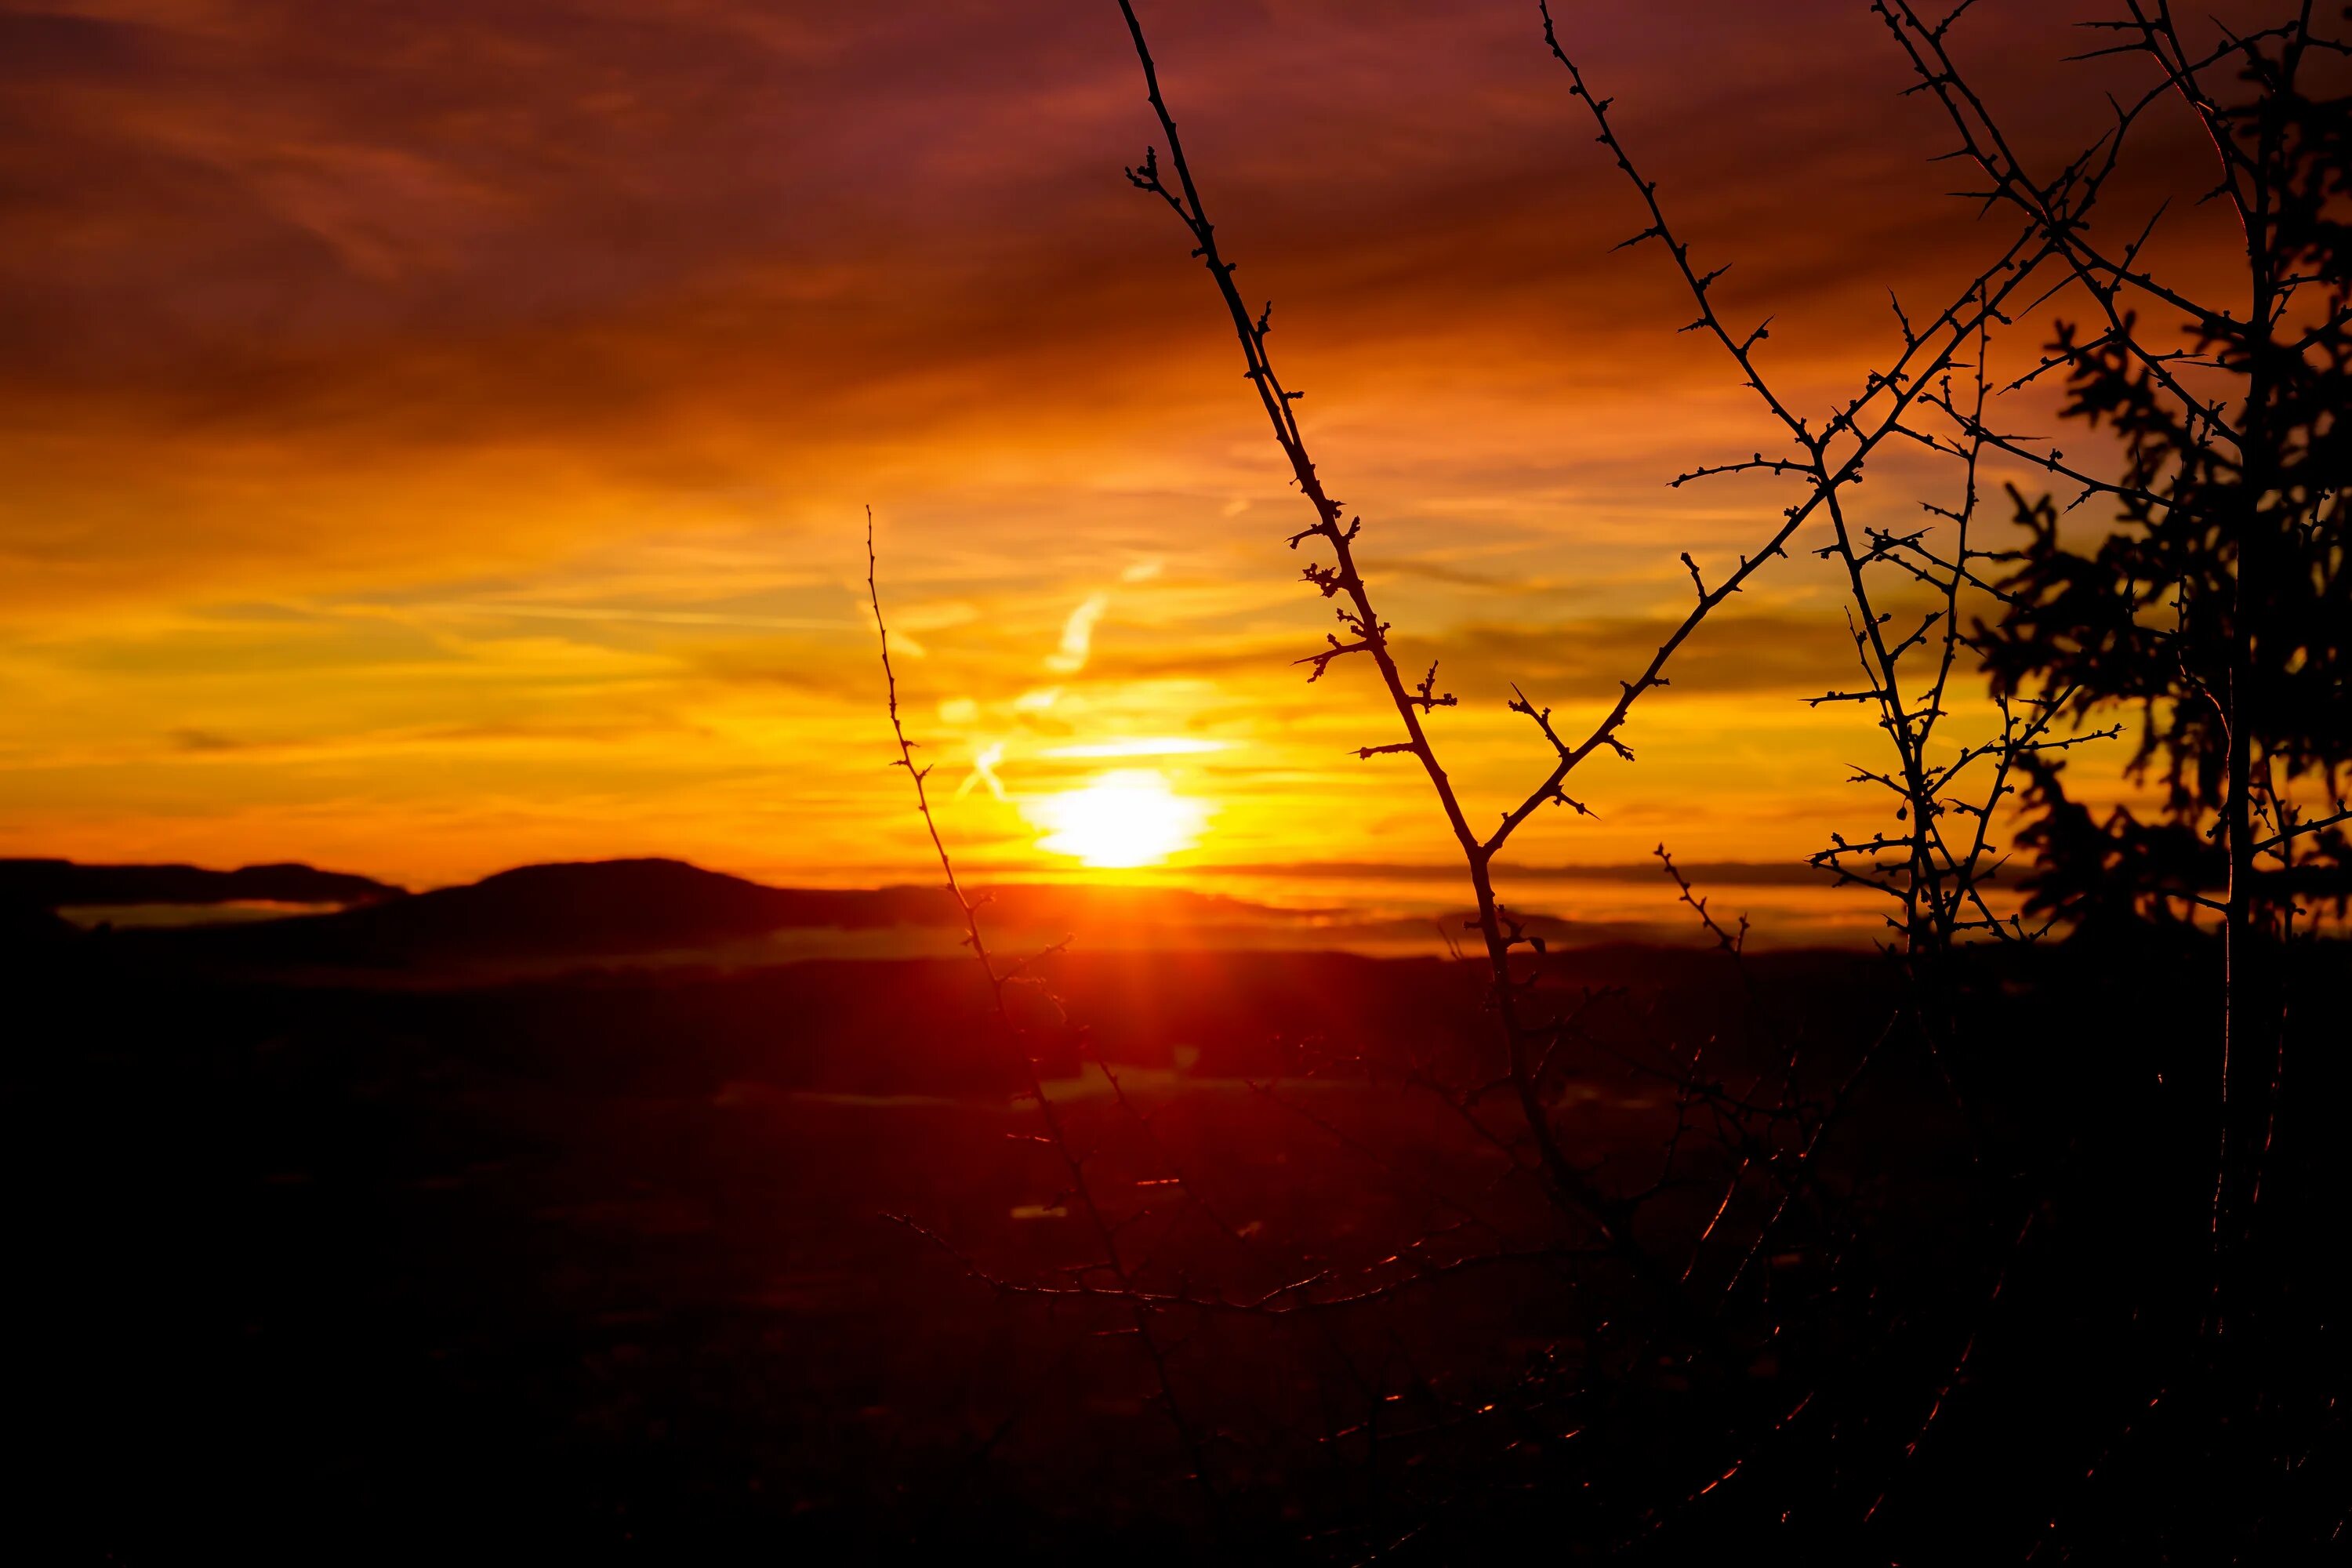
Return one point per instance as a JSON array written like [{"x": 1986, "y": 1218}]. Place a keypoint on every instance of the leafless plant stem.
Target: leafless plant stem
[{"x": 1139, "y": 1303}]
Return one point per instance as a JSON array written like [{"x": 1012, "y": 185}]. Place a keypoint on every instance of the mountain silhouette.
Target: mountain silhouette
[
  {"x": 575, "y": 907},
  {"x": 612, "y": 908},
  {"x": 49, "y": 884}
]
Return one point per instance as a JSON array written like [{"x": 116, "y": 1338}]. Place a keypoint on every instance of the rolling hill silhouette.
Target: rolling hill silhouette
[
  {"x": 614, "y": 908},
  {"x": 48, "y": 884},
  {"x": 584, "y": 908},
  {"x": 551, "y": 917}
]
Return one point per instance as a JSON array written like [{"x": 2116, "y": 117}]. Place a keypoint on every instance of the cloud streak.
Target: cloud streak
[{"x": 1078, "y": 636}]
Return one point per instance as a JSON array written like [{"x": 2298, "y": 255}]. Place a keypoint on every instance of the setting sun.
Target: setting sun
[{"x": 1127, "y": 817}]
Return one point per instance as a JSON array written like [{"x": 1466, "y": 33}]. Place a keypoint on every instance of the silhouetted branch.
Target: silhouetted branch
[{"x": 1368, "y": 631}]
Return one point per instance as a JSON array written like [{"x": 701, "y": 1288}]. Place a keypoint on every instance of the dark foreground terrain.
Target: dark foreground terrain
[{"x": 325, "y": 1265}]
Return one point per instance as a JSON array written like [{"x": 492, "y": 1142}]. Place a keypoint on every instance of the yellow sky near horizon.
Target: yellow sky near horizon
[{"x": 443, "y": 445}]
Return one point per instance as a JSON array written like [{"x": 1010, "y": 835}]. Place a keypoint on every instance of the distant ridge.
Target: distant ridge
[
  {"x": 578, "y": 907},
  {"x": 52, "y": 883},
  {"x": 533, "y": 917},
  {"x": 611, "y": 909}
]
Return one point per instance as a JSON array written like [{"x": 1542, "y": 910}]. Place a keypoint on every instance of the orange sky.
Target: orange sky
[{"x": 434, "y": 433}]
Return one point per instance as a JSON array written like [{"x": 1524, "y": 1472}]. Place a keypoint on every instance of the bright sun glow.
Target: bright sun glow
[{"x": 1124, "y": 818}]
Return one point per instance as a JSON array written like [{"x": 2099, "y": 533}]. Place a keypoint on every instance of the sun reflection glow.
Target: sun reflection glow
[{"x": 1128, "y": 816}]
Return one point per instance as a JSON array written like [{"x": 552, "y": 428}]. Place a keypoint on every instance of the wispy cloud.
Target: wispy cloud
[
  {"x": 984, "y": 771},
  {"x": 1079, "y": 635}
]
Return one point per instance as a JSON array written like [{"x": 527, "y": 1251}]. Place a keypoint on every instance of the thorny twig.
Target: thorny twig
[{"x": 1141, "y": 1305}]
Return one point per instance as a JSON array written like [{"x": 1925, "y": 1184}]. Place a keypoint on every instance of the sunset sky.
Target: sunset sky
[{"x": 436, "y": 433}]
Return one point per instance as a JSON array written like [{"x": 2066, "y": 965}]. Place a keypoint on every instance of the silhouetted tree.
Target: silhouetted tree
[{"x": 2217, "y": 603}]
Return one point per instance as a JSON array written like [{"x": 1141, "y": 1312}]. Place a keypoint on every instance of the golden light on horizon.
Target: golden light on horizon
[{"x": 1123, "y": 818}]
